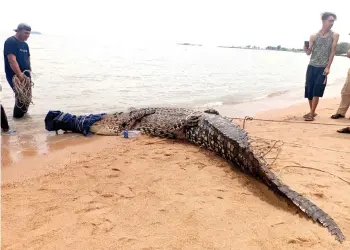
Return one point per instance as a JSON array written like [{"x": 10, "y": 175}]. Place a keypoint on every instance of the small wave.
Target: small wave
[
  {"x": 239, "y": 99},
  {"x": 277, "y": 93},
  {"x": 211, "y": 104}
]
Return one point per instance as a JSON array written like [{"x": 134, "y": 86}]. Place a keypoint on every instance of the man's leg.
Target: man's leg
[
  {"x": 309, "y": 86},
  {"x": 19, "y": 109},
  {"x": 310, "y": 104},
  {"x": 319, "y": 86},
  {"x": 4, "y": 123},
  {"x": 344, "y": 105},
  {"x": 345, "y": 99},
  {"x": 314, "y": 104}
]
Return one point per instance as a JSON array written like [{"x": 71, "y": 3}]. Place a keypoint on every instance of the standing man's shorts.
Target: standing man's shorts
[{"x": 315, "y": 82}]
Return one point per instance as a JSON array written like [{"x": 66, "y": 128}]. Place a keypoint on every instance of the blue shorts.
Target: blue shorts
[{"x": 315, "y": 83}]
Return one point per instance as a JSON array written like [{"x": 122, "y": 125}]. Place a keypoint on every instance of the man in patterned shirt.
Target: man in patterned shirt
[{"x": 322, "y": 46}]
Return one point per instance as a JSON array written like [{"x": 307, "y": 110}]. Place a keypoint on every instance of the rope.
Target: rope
[
  {"x": 78, "y": 124},
  {"x": 23, "y": 91},
  {"x": 316, "y": 169},
  {"x": 300, "y": 146},
  {"x": 248, "y": 118}
]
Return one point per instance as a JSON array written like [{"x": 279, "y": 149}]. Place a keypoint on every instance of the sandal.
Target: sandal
[
  {"x": 337, "y": 116},
  {"x": 344, "y": 130},
  {"x": 309, "y": 117},
  {"x": 309, "y": 114},
  {"x": 8, "y": 132}
]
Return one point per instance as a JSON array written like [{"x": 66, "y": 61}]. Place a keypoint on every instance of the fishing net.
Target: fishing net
[{"x": 23, "y": 91}]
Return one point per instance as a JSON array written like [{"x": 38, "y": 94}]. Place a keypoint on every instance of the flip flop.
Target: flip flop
[
  {"x": 337, "y": 116},
  {"x": 309, "y": 118},
  {"x": 9, "y": 132},
  {"x": 344, "y": 130},
  {"x": 309, "y": 114}
]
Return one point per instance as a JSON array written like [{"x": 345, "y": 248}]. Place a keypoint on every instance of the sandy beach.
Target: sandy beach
[{"x": 150, "y": 193}]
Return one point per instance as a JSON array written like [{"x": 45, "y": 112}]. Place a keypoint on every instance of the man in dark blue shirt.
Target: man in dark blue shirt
[{"x": 17, "y": 60}]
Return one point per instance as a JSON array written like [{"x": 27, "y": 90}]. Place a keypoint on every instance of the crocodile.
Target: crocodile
[{"x": 210, "y": 130}]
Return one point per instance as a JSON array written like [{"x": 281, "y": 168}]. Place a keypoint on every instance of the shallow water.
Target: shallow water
[{"x": 92, "y": 76}]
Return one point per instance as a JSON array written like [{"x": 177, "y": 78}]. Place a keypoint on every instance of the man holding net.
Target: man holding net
[{"x": 17, "y": 68}]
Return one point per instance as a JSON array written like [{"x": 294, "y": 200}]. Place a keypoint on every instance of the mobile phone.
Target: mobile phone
[{"x": 306, "y": 44}]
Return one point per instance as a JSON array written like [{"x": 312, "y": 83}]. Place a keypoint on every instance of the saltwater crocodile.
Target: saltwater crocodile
[{"x": 214, "y": 132}]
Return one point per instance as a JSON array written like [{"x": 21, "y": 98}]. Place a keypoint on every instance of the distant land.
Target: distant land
[
  {"x": 277, "y": 48},
  {"x": 341, "y": 50},
  {"x": 36, "y": 33},
  {"x": 189, "y": 44}
]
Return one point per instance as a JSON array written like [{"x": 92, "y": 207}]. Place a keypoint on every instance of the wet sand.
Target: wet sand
[{"x": 150, "y": 193}]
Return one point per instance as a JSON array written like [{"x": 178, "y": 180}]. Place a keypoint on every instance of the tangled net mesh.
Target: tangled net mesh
[{"x": 23, "y": 91}]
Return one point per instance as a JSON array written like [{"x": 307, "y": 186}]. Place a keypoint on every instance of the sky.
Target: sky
[{"x": 213, "y": 22}]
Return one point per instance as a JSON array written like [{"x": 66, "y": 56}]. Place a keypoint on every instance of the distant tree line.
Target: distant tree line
[
  {"x": 342, "y": 48},
  {"x": 280, "y": 48}
]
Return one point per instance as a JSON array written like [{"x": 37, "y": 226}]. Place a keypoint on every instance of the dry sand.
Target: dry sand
[{"x": 149, "y": 193}]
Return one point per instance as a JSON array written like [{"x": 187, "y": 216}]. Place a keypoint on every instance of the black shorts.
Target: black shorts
[{"x": 315, "y": 82}]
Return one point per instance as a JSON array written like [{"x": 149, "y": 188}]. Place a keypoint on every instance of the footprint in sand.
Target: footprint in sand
[
  {"x": 126, "y": 192},
  {"x": 94, "y": 209},
  {"x": 107, "y": 195},
  {"x": 113, "y": 176},
  {"x": 124, "y": 240},
  {"x": 319, "y": 195},
  {"x": 200, "y": 166},
  {"x": 302, "y": 242},
  {"x": 102, "y": 226},
  {"x": 312, "y": 185}
]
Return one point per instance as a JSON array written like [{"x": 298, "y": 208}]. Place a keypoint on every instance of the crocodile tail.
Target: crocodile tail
[
  {"x": 231, "y": 142},
  {"x": 260, "y": 169}
]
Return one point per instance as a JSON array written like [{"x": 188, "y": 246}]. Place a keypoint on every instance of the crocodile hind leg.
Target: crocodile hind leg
[
  {"x": 211, "y": 111},
  {"x": 172, "y": 130},
  {"x": 135, "y": 115}
]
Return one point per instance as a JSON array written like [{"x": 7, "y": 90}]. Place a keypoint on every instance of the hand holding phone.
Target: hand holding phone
[{"x": 306, "y": 44}]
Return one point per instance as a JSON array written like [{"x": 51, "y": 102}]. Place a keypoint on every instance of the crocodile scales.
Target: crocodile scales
[{"x": 214, "y": 132}]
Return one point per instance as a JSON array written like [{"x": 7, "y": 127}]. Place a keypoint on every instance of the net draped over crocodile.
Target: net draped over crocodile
[{"x": 206, "y": 129}]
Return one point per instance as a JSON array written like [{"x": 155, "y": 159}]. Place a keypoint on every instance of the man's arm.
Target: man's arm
[
  {"x": 311, "y": 43},
  {"x": 30, "y": 65},
  {"x": 333, "y": 49},
  {"x": 14, "y": 65},
  {"x": 348, "y": 54},
  {"x": 331, "y": 56},
  {"x": 10, "y": 49}
]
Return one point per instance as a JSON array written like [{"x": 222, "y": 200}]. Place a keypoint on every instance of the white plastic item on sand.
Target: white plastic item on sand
[{"x": 132, "y": 133}]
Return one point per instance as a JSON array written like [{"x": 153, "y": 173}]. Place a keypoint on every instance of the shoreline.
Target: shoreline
[
  {"x": 32, "y": 139},
  {"x": 65, "y": 142},
  {"x": 149, "y": 192}
]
